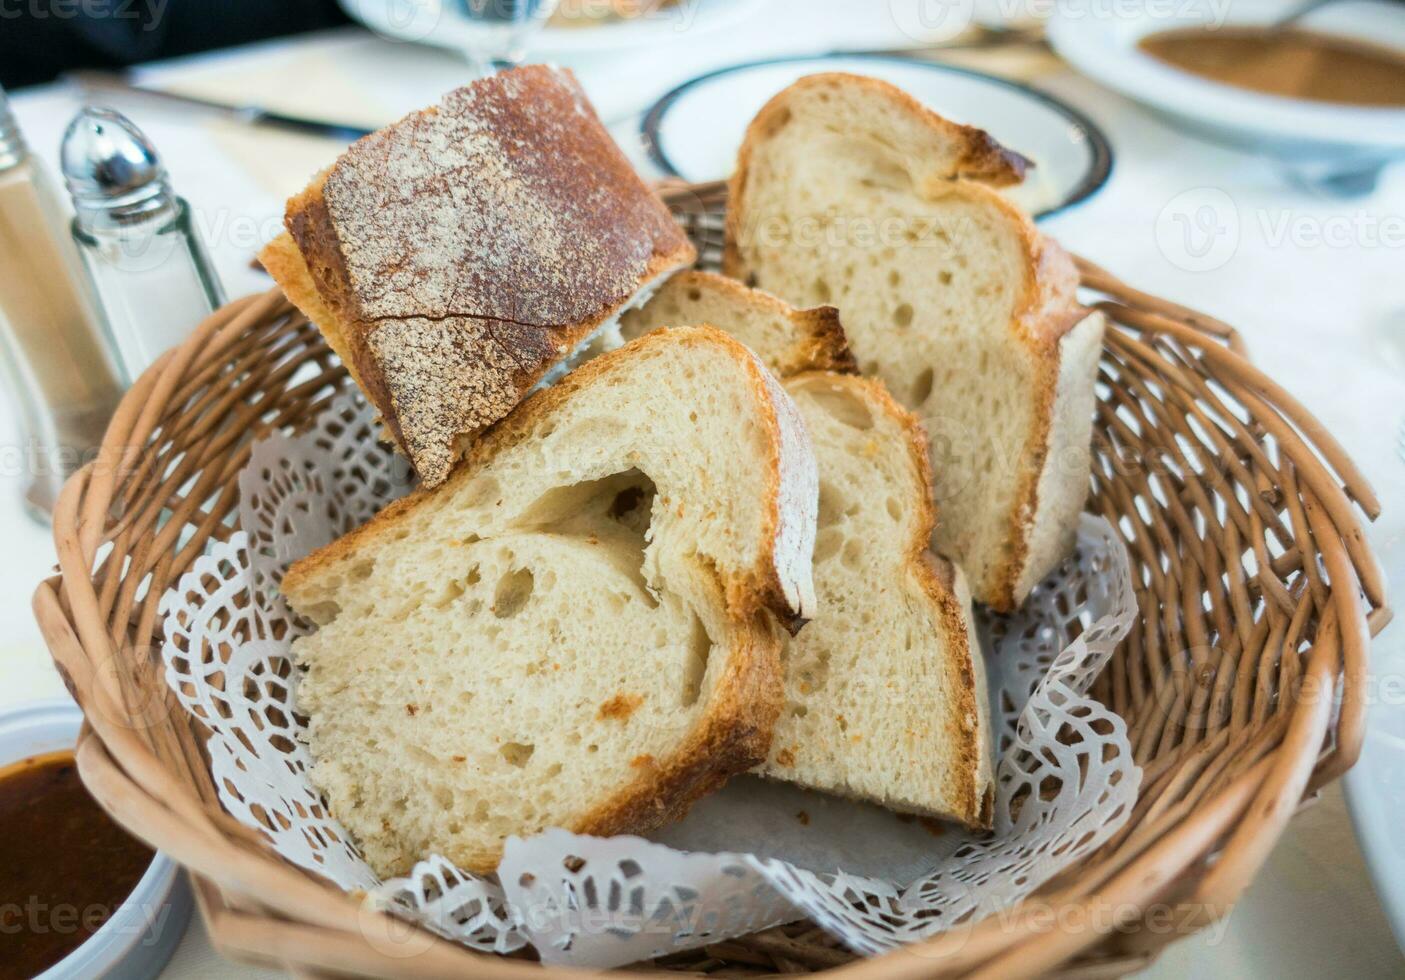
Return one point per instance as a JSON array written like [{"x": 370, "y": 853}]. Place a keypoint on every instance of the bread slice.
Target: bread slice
[
  {"x": 787, "y": 340},
  {"x": 847, "y": 191},
  {"x": 885, "y": 687},
  {"x": 581, "y": 628},
  {"x": 458, "y": 256}
]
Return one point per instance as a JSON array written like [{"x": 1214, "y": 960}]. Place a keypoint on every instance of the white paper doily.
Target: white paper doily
[{"x": 751, "y": 856}]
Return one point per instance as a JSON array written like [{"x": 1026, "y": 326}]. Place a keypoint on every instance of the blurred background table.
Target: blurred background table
[{"x": 1322, "y": 314}]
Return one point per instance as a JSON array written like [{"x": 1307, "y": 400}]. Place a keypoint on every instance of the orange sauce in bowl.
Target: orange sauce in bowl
[
  {"x": 1286, "y": 61},
  {"x": 65, "y": 866}
]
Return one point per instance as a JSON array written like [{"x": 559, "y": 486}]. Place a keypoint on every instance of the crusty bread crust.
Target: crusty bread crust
[
  {"x": 980, "y": 156},
  {"x": 461, "y": 253},
  {"x": 818, "y": 342},
  {"x": 281, "y": 259},
  {"x": 735, "y": 733},
  {"x": 1046, "y": 312},
  {"x": 734, "y": 736}
]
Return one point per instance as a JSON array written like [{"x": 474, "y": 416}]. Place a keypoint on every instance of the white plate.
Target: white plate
[
  {"x": 429, "y": 22},
  {"x": 695, "y": 130},
  {"x": 1105, "y": 48},
  {"x": 1375, "y": 786}
]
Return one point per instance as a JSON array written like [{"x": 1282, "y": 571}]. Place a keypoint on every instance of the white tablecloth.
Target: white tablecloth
[{"x": 1316, "y": 287}]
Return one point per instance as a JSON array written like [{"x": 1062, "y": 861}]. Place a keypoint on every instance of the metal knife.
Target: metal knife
[{"x": 96, "y": 82}]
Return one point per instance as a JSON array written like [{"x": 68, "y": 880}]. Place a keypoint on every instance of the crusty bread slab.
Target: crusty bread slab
[
  {"x": 454, "y": 258},
  {"x": 582, "y": 627},
  {"x": 885, "y": 686},
  {"x": 848, "y": 191},
  {"x": 787, "y": 340}
]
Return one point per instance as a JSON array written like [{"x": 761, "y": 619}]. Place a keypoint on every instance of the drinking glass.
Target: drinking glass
[{"x": 496, "y": 32}]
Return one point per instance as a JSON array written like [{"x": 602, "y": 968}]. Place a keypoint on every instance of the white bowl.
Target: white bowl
[
  {"x": 1320, "y": 141},
  {"x": 695, "y": 130},
  {"x": 142, "y": 933}
]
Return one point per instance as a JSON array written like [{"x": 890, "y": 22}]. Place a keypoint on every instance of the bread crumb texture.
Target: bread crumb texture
[
  {"x": 884, "y": 686},
  {"x": 548, "y": 640},
  {"x": 850, "y": 193}
]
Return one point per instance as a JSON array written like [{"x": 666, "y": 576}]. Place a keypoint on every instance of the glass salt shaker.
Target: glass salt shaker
[
  {"x": 58, "y": 368},
  {"x": 153, "y": 276}
]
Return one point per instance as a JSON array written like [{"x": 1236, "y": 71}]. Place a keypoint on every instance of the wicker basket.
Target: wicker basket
[{"x": 1243, "y": 687}]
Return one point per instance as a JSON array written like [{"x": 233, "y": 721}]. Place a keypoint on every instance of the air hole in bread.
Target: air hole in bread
[
  {"x": 922, "y": 387},
  {"x": 695, "y": 667},
  {"x": 852, "y": 554},
  {"x": 513, "y": 591},
  {"x": 827, "y": 542},
  {"x": 580, "y": 508},
  {"x": 902, "y": 316},
  {"x": 452, "y": 591},
  {"x": 843, "y": 407},
  {"x": 588, "y": 430},
  {"x": 833, "y": 504},
  {"x": 362, "y": 570},
  {"x": 482, "y": 490},
  {"x": 627, "y": 506},
  {"x": 517, "y": 754},
  {"x": 821, "y": 291},
  {"x": 613, "y": 513},
  {"x": 895, "y": 509},
  {"x": 322, "y": 613}
]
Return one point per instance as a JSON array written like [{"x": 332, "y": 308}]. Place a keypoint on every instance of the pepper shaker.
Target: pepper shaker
[
  {"x": 61, "y": 372},
  {"x": 153, "y": 276}
]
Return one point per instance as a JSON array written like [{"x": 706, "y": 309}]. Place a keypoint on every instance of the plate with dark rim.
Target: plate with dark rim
[{"x": 693, "y": 132}]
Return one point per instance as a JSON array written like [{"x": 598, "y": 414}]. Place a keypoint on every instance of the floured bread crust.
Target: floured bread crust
[{"x": 457, "y": 255}]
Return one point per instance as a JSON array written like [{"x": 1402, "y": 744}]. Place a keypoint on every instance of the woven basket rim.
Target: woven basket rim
[{"x": 258, "y": 907}]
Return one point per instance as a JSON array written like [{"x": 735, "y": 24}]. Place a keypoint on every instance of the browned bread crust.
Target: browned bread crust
[
  {"x": 462, "y": 252},
  {"x": 733, "y": 738},
  {"x": 973, "y": 153},
  {"x": 817, "y": 342}
]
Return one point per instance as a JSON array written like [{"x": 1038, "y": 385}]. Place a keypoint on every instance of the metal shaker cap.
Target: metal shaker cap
[{"x": 113, "y": 173}]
